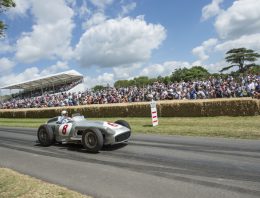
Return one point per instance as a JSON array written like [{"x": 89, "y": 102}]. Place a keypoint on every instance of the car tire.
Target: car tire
[
  {"x": 92, "y": 140},
  {"x": 45, "y": 135},
  {"x": 123, "y": 123}
]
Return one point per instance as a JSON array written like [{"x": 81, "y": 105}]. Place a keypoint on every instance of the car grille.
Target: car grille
[{"x": 122, "y": 137}]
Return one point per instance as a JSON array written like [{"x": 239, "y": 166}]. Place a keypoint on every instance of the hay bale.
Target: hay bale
[
  {"x": 139, "y": 110},
  {"x": 173, "y": 108},
  {"x": 185, "y": 109}
]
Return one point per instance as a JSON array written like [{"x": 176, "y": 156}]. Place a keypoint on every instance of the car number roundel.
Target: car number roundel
[
  {"x": 64, "y": 129},
  {"x": 111, "y": 125}
]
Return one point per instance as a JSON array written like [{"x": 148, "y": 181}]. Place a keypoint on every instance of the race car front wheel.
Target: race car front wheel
[
  {"x": 92, "y": 140},
  {"x": 45, "y": 135}
]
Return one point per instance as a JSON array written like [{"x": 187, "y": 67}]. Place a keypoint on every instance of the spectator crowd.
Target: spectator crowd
[{"x": 248, "y": 86}]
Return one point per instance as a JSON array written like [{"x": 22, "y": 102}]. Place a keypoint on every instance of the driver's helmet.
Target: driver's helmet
[{"x": 64, "y": 113}]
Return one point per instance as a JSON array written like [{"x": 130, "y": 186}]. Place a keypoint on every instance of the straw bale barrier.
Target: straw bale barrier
[{"x": 173, "y": 108}]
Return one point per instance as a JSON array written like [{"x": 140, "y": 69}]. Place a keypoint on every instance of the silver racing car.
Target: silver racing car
[{"x": 91, "y": 134}]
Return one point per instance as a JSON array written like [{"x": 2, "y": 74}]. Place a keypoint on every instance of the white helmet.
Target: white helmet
[{"x": 64, "y": 112}]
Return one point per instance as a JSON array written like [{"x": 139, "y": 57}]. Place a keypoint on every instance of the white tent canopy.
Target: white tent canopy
[{"x": 47, "y": 81}]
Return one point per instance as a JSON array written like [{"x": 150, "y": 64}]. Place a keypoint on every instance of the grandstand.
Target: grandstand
[{"x": 54, "y": 83}]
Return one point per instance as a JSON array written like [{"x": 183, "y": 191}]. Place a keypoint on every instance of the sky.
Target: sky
[{"x": 110, "y": 40}]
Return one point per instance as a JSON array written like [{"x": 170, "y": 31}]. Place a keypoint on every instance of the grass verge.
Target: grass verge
[
  {"x": 14, "y": 185},
  {"x": 247, "y": 127}
]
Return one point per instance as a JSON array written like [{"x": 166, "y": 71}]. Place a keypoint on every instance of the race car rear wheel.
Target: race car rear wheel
[
  {"x": 123, "y": 123},
  {"x": 92, "y": 140},
  {"x": 45, "y": 135}
]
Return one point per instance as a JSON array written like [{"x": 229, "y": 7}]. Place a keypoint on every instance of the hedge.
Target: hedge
[{"x": 213, "y": 107}]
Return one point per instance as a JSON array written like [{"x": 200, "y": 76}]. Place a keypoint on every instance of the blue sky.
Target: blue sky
[{"x": 108, "y": 40}]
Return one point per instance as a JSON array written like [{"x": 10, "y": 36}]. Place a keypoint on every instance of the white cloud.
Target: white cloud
[
  {"x": 27, "y": 74},
  {"x": 72, "y": 3},
  {"x": 119, "y": 41},
  {"x": 101, "y": 4},
  {"x": 200, "y": 53},
  {"x": 210, "y": 42},
  {"x": 5, "y": 46},
  {"x": 202, "y": 50},
  {"x": 103, "y": 79},
  {"x": 50, "y": 12},
  {"x": 95, "y": 19},
  {"x": 30, "y": 73},
  {"x": 243, "y": 17},
  {"x": 197, "y": 63},
  {"x": 51, "y": 34},
  {"x": 126, "y": 72},
  {"x": 237, "y": 26},
  {"x": 56, "y": 68},
  {"x": 83, "y": 9},
  {"x": 128, "y": 8},
  {"x": 5, "y": 66},
  {"x": 21, "y": 8},
  {"x": 164, "y": 69},
  {"x": 211, "y": 9},
  {"x": 248, "y": 41},
  {"x": 218, "y": 49},
  {"x": 215, "y": 67}
]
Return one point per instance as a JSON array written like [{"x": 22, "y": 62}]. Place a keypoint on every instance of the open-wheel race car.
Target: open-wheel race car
[{"x": 91, "y": 134}]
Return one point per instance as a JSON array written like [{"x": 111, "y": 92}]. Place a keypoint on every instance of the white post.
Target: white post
[{"x": 155, "y": 121}]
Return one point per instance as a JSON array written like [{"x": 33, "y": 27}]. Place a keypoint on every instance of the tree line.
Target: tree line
[
  {"x": 185, "y": 74},
  {"x": 241, "y": 61}
]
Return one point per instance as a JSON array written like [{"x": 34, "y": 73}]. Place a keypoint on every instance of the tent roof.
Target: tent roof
[{"x": 46, "y": 81}]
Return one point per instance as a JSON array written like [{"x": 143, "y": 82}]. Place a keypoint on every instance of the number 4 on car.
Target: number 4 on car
[{"x": 91, "y": 134}]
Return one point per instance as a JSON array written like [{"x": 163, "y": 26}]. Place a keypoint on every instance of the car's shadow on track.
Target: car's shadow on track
[{"x": 81, "y": 149}]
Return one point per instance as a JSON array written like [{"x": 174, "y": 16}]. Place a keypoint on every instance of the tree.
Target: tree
[
  {"x": 121, "y": 83},
  {"x": 255, "y": 70},
  {"x": 138, "y": 81},
  {"x": 141, "y": 81},
  {"x": 242, "y": 58},
  {"x": 152, "y": 80},
  {"x": 4, "y": 5},
  {"x": 167, "y": 80},
  {"x": 179, "y": 74},
  {"x": 196, "y": 72},
  {"x": 98, "y": 88},
  {"x": 160, "y": 78}
]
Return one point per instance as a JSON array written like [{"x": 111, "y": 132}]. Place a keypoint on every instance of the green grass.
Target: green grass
[
  {"x": 14, "y": 185},
  {"x": 235, "y": 127}
]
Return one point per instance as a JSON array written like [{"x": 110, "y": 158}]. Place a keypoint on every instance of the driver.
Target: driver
[{"x": 63, "y": 118}]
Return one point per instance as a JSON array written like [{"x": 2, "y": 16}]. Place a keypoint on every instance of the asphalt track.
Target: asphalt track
[{"x": 148, "y": 166}]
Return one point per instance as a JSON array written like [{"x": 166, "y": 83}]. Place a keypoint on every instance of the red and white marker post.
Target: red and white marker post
[{"x": 154, "y": 113}]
